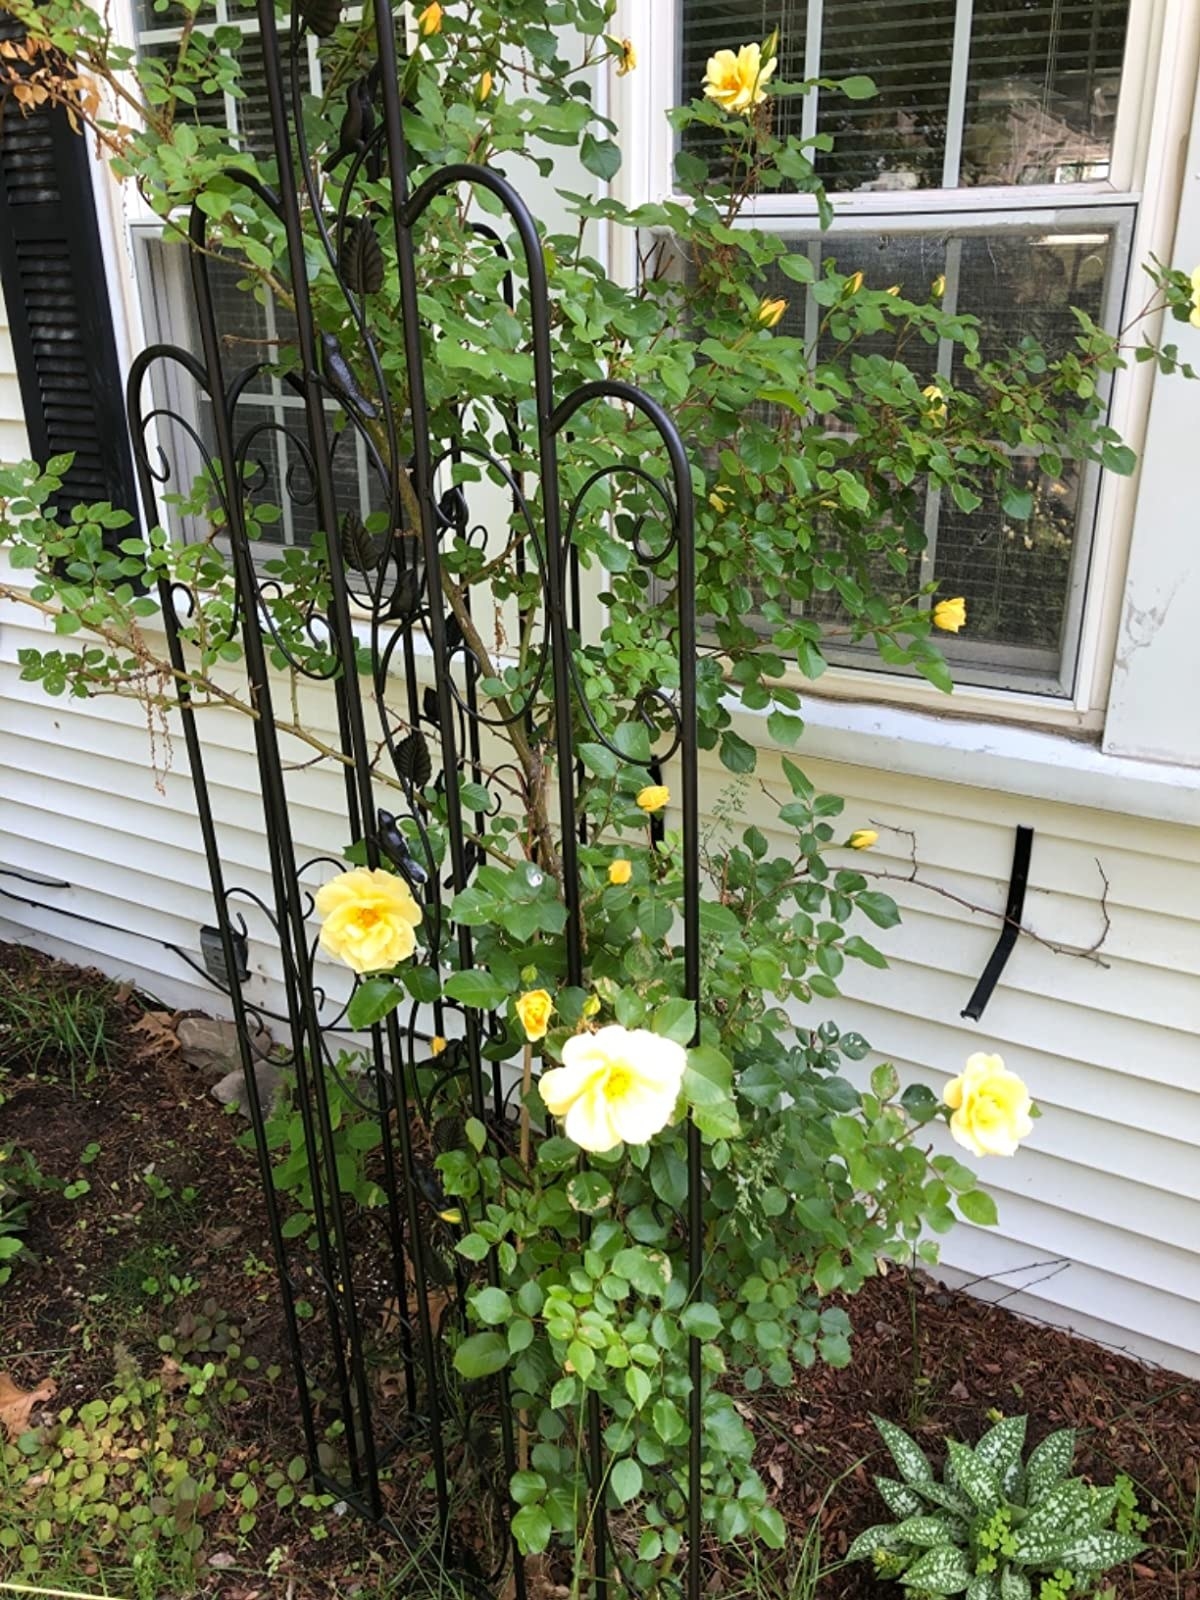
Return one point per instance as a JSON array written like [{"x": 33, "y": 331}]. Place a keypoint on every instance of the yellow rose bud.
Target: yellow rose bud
[
  {"x": 591, "y": 1006},
  {"x": 854, "y": 283},
  {"x": 895, "y": 289},
  {"x": 626, "y": 58},
  {"x": 618, "y": 1085},
  {"x": 620, "y": 871},
  {"x": 770, "y": 313},
  {"x": 368, "y": 917},
  {"x": 950, "y": 615},
  {"x": 534, "y": 1008},
  {"x": 937, "y": 402},
  {"x": 991, "y": 1107},
  {"x": 452, "y": 1215},
  {"x": 485, "y": 87},
  {"x": 430, "y": 20},
  {"x": 862, "y": 838},
  {"x": 436, "y": 1045},
  {"x": 653, "y": 797},
  {"x": 938, "y": 287},
  {"x": 717, "y": 499},
  {"x": 737, "y": 81}
]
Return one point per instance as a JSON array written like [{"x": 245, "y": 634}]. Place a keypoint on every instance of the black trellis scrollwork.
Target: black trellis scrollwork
[{"x": 411, "y": 712}]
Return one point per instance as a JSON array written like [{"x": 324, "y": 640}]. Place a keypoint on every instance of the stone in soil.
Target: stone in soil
[
  {"x": 210, "y": 1045},
  {"x": 231, "y": 1090}
]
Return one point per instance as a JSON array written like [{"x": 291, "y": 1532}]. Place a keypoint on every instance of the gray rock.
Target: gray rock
[
  {"x": 231, "y": 1090},
  {"x": 210, "y": 1045}
]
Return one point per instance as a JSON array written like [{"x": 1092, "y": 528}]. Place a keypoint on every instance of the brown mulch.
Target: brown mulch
[{"x": 60, "y": 1318}]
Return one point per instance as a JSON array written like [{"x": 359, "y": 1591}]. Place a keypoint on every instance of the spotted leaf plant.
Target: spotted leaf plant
[{"x": 995, "y": 1525}]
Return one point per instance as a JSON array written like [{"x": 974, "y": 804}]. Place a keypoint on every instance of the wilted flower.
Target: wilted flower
[
  {"x": 616, "y": 1085},
  {"x": 950, "y": 615},
  {"x": 620, "y": 871},
  {"x": 991, "y": 1107},
  {"x": 626, "y": 58},
  {"x": 367, "y": 918},
  {"x": 862, "y": 838},
  {"x": 770, "y": 312},
  {"x": 717, "y": 499},
  {"x": 534, "y": 1008},
  {"x": 436, "y": 1045},
  {"x": 737, "y": 81},
  {"x": 653, "y": 797},
  {"x": 937, "y": 407}
]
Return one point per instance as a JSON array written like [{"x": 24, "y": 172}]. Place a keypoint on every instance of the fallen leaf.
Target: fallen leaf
[
  {"x": 154, "y": 1035},
  {"x": 16, "y": 1404}
]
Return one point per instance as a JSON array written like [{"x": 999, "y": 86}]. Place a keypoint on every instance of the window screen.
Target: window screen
[{"x": 972, "y": 93}]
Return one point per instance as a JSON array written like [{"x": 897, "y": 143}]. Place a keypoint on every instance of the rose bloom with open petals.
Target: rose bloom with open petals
[
  {"x": 737, "y": 81},
  {"x": 950, "y": 615},
  {"x": 616, "y": 1085},
  {"x": 368, "y": 917},
  {"x": 534, "y": 1008},
  {"x": 653, "y": 797},
  {"x": 990, "y": 1106}
]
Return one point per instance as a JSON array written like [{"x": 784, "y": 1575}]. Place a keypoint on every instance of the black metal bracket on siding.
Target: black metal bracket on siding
[{"x": 1013, "y": 912}]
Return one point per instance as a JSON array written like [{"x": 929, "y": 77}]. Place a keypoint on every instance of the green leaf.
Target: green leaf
[
  {"x": 880, "y": 909},
  {"x": 1014, "y": 1585},
  {"x": 675, "y": 1019},
  {"x": 600, "y": 156},
  {"x": 527, "y": 1487},
  {"x": 880, "y": 1537},
  {"x": 858, "y": 87},
  {"x": 927, "y": 1532},
  {"x": 943, "y": 1571},
  {"x": 1096, "y": 1552},
  {"x": 1065, "y": 1512},
  {"x": 589, "y": 1192},
  {"x": 626, "y": 1479},
  {"x": 708, "y": 1077},
  {"x": 532, "y": 1529},
  {"x": 736, "y": 754},
  {"x": 977, "y": 1480},
  {"x": 481, "y": 1355},
  {"x": 638, "y": 1386},
  {"x": 900, "y": 1500},
  {"x": 491, "y": 1305},
  {"x": 978, "y": 1207},
  {"x": 785, "y": 729},
  {"x": 701, "y": 1321},
  {"x": 908, "y": 1456},
  {"x": 476, "y": 988},
  {"x": 1050, "y": 1461},
  {"x": 1001, "y": 1447},
  {"x": 984, "y": 1586},
  {"x": 372, "y": 1001}
]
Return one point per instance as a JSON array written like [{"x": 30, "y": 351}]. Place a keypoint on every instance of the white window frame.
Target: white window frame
[{"x": 1154, "y": 112}]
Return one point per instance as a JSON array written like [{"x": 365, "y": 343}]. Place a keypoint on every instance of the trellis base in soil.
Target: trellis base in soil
[{"x": 147, "y": 1111}]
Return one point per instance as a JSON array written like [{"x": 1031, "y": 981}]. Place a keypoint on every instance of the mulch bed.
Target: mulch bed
[{"x": 59, "y": 1318}]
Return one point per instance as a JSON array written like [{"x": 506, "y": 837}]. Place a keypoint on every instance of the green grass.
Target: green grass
[{"x": 52, "y": 1025}]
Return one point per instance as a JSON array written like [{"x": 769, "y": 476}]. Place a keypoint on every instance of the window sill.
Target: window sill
[{"x": 988, "y": 755}]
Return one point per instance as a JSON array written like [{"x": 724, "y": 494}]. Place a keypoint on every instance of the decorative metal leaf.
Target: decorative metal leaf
[
  {"x": 429, "y": 707},
  {"x": 405, "y": 595},
  {"x": 322, "y": 16},
  {"x": 360, "y": 259},
  {"x": 361, "y": 551},
  {"x": 413, "y": 761}
]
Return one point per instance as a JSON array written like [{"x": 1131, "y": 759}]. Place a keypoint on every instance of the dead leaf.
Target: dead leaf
[
  {"x": 16, "y": 1404},
  {"x": 154, "y": 1035}
]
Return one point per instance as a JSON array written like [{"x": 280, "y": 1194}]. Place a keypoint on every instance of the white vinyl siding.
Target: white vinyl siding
[
  {"x": 13, "y": 442},
  {"x": 1099, "y": 1215}
]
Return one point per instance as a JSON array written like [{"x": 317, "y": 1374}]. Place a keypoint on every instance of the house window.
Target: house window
[{"x": 997, "y": 153}]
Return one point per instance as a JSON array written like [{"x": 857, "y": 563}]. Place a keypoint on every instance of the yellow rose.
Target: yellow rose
[
  {"x": 436, "y": 1045},
  {"x": 854, "y": 283},
  {"x": 937, "y": 402},
  {"x": 862, "y": 838},
  {"x": 620, "y": 871},
  {"x": 616, "y": 1085},
  {"x": 367, "y": 919},
  {"x": 1194, "y": 315},
  {"x": 950, "y": 615},
  {"x": 991, "y": 1107},
  {"x": 894, "y": 290},
  {"x": 534, "y": 1008},
  {"x": 653, "y": 797},
  {"x": 770, "y": 312},
  {"x": 736, "y": 81},
  {"x": 485, "y": 87},
  {"x": 938, "y": 287},
  {"x": 626, "y": 58},
  {"x": 430, "y": 20}
]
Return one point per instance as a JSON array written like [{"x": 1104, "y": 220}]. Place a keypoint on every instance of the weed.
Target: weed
[{"x": 49, "y": 1024}]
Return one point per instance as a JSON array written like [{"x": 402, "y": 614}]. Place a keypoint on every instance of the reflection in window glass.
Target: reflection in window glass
[{"x": 996, "y": 93}]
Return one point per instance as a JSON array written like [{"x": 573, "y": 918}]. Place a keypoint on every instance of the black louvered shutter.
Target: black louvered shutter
[{"x": 57, "y": 305}]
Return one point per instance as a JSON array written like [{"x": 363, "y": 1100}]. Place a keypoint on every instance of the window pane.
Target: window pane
[
  {"x": 1042, "y": 90},
  {"x": 996, "y": 92},
  {"x": 1019, "y": 578}
]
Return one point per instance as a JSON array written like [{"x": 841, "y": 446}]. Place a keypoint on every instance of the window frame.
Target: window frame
[{"x": 1146, "y": 136}]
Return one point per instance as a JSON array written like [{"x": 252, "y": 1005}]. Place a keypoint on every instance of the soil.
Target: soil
[{"x": 933, "y": 1360}]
